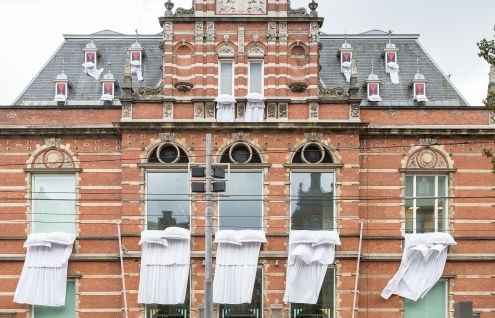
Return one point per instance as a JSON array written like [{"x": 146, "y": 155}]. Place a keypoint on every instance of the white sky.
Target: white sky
[{"x": 31, "y": 31}]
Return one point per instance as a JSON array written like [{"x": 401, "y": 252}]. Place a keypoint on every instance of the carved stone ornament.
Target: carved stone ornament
[
  {"x": 241, "y": 110},
  {"x": 355, "y": 110},
  {"x": 283, "y": 110},
  {"x": 127, "y": 110},
  {"x": 427, "y": 141},
  {"x": 313, "y": 136},
  {"x": 492, "y": 118},
  {"x": 53, "y": 142},
  {"x": 334, "y": 92},
  {"x": 271, "y": 111},
  {"x": 168, "y": 136},
  {"x": 161, "y": 45},
  {"x": 53, "y": 158},
  {"x": 168, "y": 109},
  {"x": 150, "y": 91},
  {"x": 167, "y": 26},
  {"x": 168, "y": 36},
  {"x": 184, "y": 12},
  {"x": 301, "y": 11},
  {"x": 183, "y": 87},
  {"x": 298, "y": 87},
  {"x": 199, "y": 110},
  {"x": 256, "y": 49},
  {"x": 241, "y": 6},
  {"x": 240, "y": 136},
  {"x": 210, "y": 110},
  {"x": 427, "y": 158},
  {"x": 226, "y": 49},
  {"x": 313, "y": 110}
]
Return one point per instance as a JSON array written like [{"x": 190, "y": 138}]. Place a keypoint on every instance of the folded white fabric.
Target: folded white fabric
[
  {"x": 310, "y": 253},
  {"x": 44, "y": 274},
  {"x": 393, "y": 69},
  {"x": 422, "y": 265},
  {"x": 136, "y": 69},
  {"x": 421, "y": 98},
  {"x": 236, "y": 263},
  {"x": 90, "y": 69},
  {"x": 346, "y": 69},
  {"x": 165, "y": 264}
]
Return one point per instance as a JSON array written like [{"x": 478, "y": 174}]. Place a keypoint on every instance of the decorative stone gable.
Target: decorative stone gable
[
  {"x": 241, "y": 7},
  {"x": 427, "y": 158},
  {"x": 53, "y": 158}
]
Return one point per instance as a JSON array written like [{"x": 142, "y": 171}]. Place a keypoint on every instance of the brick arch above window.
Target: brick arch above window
[
  {"x": 53, "y": 155},
  {"x": 427, "y": 158}
]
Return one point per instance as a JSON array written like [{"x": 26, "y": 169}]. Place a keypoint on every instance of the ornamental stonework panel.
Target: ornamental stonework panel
[
  {"x": 427, "y": 158},
  {"x": 241, "y": 7},
  {"x": 53, "y": 158}
]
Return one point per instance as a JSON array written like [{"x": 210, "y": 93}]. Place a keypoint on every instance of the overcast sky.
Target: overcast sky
[{"x": 31, "y": 31}]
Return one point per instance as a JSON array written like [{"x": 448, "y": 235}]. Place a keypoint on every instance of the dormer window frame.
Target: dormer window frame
[
  {"x": 414, "y": 85},
  {"x": 67, "y": 85},
  {"x": 342, "y": 52}
]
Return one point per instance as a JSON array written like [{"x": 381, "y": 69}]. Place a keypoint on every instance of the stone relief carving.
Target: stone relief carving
[
  {"x": 301, "y": 11},
  {"x": 271, "y": 111},
  {"x": 313, "y": 136},
  {"x": 183, "y": 87},
  {"x": 256, "y": 49},
  {"x": 52, "y": 159},
  {"x": 161, "y": 45},
  {"x": 427, "y": 141},
  {"x": 167, "y": 26},
  {"x": 168, "y": 136},
  {"x": 492, "y": 118},
  {"x": 182, "y": 12},
  {"x": 334, "y": 92},
  {"x": 210, "y": 26},
  {"x": 150, "y": 91},
  {"x": 168, "y": 36},
  {"x": 199, "y": 110},
  {"x": 427, "y": 158},
  {"x": 298, "y": 87},
  {"x": 313, "y": 110},
  {"x": 240, "y": 136},
  {"x": 283, "y": 110},
  {"x": 168, "y": 109},
  {"x": 199, "y": 26},
  {"x": 241, "y": 6},
  {"x": 127, "y": 110},
  {"x": 210, "y": 110},
  {"x": 225, "y": 49},
  {"x": 53, "y": 142},
  {"x": 355, "y": 110},
  {"x": 241, "y": 109}
]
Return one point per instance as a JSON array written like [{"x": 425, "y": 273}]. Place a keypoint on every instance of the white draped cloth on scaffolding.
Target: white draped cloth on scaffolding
[
  {"x": 225, "y": 108},
  {"x": 236, "y": 264},
  {"x": 255, "y": 108},
  {"x": 165, "y": 264},
  {"x": 310, "y": 253},
  {"x": 422, "y": 265},
  {"x": 44, "y": 274}
]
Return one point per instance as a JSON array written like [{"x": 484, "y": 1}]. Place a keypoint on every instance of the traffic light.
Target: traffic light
[{"x": 218, "y": 181}]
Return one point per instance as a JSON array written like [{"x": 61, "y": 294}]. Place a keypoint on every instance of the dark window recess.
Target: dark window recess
[
  {"x": 312, "y": 153},
  {"x": 240, "y": 153},
  {"x": 168, "y": 153}
]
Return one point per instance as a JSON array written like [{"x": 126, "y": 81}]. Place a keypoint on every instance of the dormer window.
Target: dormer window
[
  {"x": 62, "y": 85},
  {"x": 136, "y": 56},
  {"x": 372, "y": 85},
  {"x": 345, "y": 52},
  {"x": 390, "y": 56},
  {"x": 91, "y": 54},
  {"x": 108, "y": 86},
  {"x": 418, "y": 85}
]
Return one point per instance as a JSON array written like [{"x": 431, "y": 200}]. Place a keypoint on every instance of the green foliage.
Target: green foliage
[
  {"x": 487, "y": 50},
  {"x": 489, "y": 154},
  {"x": 490, "y": 101}
]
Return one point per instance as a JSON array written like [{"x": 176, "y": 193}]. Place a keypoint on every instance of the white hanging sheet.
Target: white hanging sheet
[
  {"x": 421, "y": 267},
  {"x": 255, "y": 108},
  {"x": 44, "y": 274},
  {"x": 236, "y": 263},
  {"x": 165, "y": 264},
  {"x": 394, "y": 72},
  {"x": 90, "y": 69},
  {"x": 374, "y": 98},
  {"x": 421, "y": 98},
  {"x": 346, "y": 69},
  {"x": 136, "y": 69},
  {"x": 225, "y": 112},
  {"x": 310, "y": 253}
]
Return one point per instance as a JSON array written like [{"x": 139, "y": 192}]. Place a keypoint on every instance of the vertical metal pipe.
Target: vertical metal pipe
[
  {"x": 208, "y": 235},
  {"x": 357, "y": 269},
  {"x": 124, "y": 293}
]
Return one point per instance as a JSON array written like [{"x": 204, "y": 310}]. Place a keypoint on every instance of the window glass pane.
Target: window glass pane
[
  {"x": 425, "y": 215},
  {"x": 311, "y": 195},
  {"x": 251, "y": 310},
  {"x": 433, "y": 305},
  {"x": 442, "y": 203},
  {"x": 67, "y": 311},
  {"x": 244, "y": 208},
  {"x": 168, "y": 202},
  {"x": 324, "y": 307},
  {"x": 255, "y": 77},
  {"x": 409, "y": 215},
  {"x": 226, "y": 80},
  {"x": 425, "y": 186},
  {"x": 171, "y": 311},
  {"x": 409, "y": 186},
  {"x": 54, "y": 203}
]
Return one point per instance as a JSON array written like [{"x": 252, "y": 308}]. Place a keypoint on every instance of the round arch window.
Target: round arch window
[
  {"x": 240, "y": 152},
  {"x": 168, "y": 153},
  {"x": 312, "y": 153}
]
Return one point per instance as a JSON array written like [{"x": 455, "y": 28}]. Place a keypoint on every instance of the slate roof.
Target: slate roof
[
  {"x": 368, "y": 46},
  {"x": 85, "y": 89}
]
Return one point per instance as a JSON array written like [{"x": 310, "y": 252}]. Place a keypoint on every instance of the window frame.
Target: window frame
[
  {"x": 220, "y": 79},
  {"x": 334, "y": 270},
  {"x": 414, "y": 197},
  {"x": 445, "y": 284},
  {"x": 292, "y": 200},
  {"x": 261, "y": 80},
  {"x": 179, "y": 169},
  {"x": 33, "y": 192},
  {"x": 262, "y": 201}
]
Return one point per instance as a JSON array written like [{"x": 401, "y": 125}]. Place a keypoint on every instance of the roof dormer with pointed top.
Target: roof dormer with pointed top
[{"x": 91, "y": 55}]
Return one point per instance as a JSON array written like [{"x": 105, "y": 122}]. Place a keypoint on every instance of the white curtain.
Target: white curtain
[
  {"x": 374, "y": 98},
  {"x": 236, "y": 263},
  {"x": 90, "y": 69},
  {"x": 394, "y": 72},
  {"x": 136, "y": 69},
  {"x": 44, "y": 274},
  {"x": 421, "y": 267},
  {"x": 310, "y": 253},
  {"x": 421, "y": 98},
  {"x": 255, "y": 108},
  {"x": 165, "y": 264},
  {"x": 225, "y": 108},
  {"x": 346, "y": 69}
]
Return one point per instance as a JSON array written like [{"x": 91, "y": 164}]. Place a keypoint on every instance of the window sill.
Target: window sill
[
  {"x": 427, "y": 171},
  {"x": 313, "y": 166},
  {"x": 51, "y": 170}
]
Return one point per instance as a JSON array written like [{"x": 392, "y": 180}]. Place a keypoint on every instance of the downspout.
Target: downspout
[
  {"x": 124, "y": 293},
  {"x": 354, "y": 309}
]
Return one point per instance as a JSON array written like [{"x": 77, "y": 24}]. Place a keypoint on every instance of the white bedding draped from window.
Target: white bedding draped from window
[
  {"x": 91, "y": 70},
  {"x": 165, "y": 264},
  {"x": 225, "y": 108},
  {"x": 422, "y": 265},
  {"x": 255, "y": 108},
  {"x": 310, "y": 253},
  {"x": 393, "y": 69},
  {"x": 236, "y": 263},
  {"x": 346, "y": 69},
  {"x": 44, "y": 274}
]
